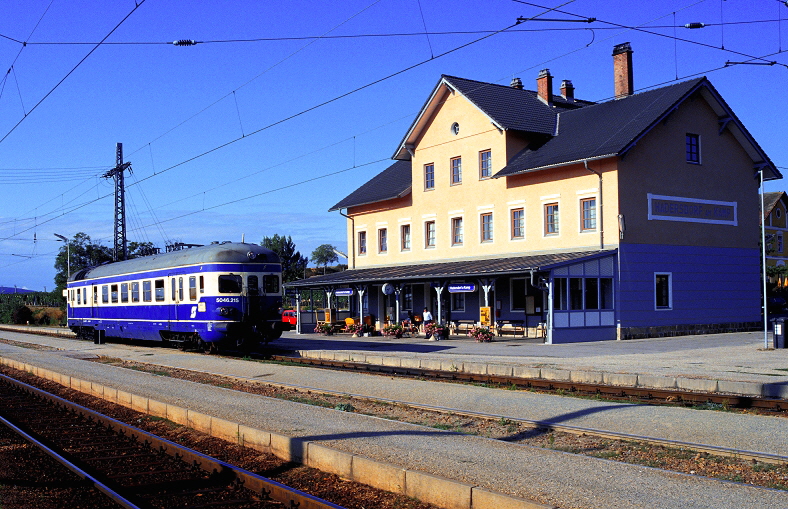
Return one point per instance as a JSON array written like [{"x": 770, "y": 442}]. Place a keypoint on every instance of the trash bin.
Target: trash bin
[{"x": 778, "y": 334}]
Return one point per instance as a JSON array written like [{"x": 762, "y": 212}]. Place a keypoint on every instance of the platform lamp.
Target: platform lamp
[{"x": 68, "y": 254}]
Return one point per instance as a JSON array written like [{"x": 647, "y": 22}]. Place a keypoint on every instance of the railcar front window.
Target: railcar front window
[
  {"x": 271, "y": 283},
  {"x": 253, "y": 285},
  {"x": 146, "y": 296},
  {"x": 230, "y": 283},
  {"x": 124, "y": 292},
  {"x": 135, "y": 292},
  {"x": 192, "y": 288},
  {"x": 159, "y": 287}
]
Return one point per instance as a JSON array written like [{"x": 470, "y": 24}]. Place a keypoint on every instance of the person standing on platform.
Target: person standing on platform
[{"x": 427, "y": 319}]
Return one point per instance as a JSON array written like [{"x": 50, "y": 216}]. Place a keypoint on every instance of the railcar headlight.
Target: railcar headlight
[{"x": 225, "y": 311}]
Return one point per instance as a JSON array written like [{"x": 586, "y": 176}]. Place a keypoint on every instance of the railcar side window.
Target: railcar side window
[
  {"x": 113, "y": 292},
  {"x": 79, "y": 297},
  {"x": 271, "y": 283},
  {"x": 105, "y": 294},
  {"x": 135, "y": 292},
  {"x": 95, "y": 295},
  {"x": 230, "y": 283},
  {"x": 252, "y": 285},
  {"x": 202, "y": 284},
  {"x": 192, "y": 288},
  {"x": 172, "y": 294},
  {"x": 180, "y": 289},
  {"x": 145, "y": 291},
  {"x": 159, "y": 287},
  {"x": 124, "y": 292}
]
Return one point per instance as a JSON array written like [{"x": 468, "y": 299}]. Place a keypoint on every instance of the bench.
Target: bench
[
  {"x": 463, "y": 326},
  {"x": 510, "y": 326}
]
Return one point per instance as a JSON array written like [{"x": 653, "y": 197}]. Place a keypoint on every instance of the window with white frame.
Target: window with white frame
[
  {"x": 429, "y": 234},
  {"x": 663, "y": 290},
  {"x": 456, "y": 170}
]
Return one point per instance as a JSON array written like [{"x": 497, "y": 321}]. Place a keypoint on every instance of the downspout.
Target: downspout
[
  {"x": 601, "y": 206},
  {"x": 353, "y": 239}
]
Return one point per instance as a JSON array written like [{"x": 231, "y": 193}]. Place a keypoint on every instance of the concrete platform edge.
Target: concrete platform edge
[{"x": 426, "y": 487}]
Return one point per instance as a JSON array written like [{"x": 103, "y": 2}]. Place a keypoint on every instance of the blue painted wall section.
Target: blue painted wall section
[{"x": 710, "y": 285}]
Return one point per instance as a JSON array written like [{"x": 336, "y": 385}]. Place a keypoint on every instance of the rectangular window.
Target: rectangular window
[
  {"x": 485, "y": 164},
  {"x": 456, "y": 170},
  {"x": 251, "y": 286},
  {"x": 113, "y": 293},
  {"x": 193, "y": 288},
  {"x": 362, "y": 243},
  {"x": 458, "y": 302},
  {"x": 487, "y": 227},
  {"x": 693, "y": 148},
  {"x": 173, "y": 292},
  {"x": 575, "y": 293},
  {"x": 158, "y": 289},
  {"x": 271, "y": 283},
  {"x": 587, "y": 214},
  {"x": 407, "y": 297},
  {"x": 429, "y": 176},
  {"x": 518, "y": 289},
  {"x": 79, "y": 297},
  {"x": 135, "y": 291},
  {"x": 146, "y": 294},
  {"x": 663, "y": 298},
  {"x": 230, "y": 283},
  {"x": 518, "y": 223},
  {"x": 560, "y": 293},
  {"x": 779, "y": 242},
  {"x": 405, "y": 237},
  {"x": 124, "y": 292},
  {"x": 202, "y": 284},
  {"x": 429, "y": 234},
  {"x": 551, "y": 219},
  {"x": 456, "y": 231},
  {"x": 180, "y": 289},
  {"x": 606, "y": 293},
  {"x": 383, "y": 240},
  {"x": 592, "y": 293},
  {"x": 95, "y": 295}
]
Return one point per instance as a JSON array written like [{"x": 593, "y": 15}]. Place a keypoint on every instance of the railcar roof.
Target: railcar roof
[{"x": 228, "y": 252}]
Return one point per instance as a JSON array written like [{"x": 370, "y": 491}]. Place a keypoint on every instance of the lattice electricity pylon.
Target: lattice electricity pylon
[{"x": 120, "y": 251}]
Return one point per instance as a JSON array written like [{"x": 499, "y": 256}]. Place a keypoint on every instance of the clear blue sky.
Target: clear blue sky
[{"x": 168, "y": 104}]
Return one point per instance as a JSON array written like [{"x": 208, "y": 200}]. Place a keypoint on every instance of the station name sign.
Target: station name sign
[
  {"x": 461, "y": 288},
  {"x": 691, "y": 210},
  {"x": 343, "y": 292}
]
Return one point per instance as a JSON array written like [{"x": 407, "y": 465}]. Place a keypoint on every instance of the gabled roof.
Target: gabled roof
[
  {"x": 393, "y": 182},
  {"x": 771, "y": 199},
  {"x": 448, "y": 270},
  {"x": 508, "y": 108},
  {"x": 612, "y": 128}
]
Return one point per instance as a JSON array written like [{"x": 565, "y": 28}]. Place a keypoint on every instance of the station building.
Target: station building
[
  {"x": 634, "y": 217},
  {"x": 775, "y": 208}
]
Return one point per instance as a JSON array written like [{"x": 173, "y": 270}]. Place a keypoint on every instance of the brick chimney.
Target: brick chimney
[
  {"x": 622, "y": 70},
  {"x": 568, "y": 91},
  {"x": 544, "y": 87},
  {"x": 517, "y": 83}
]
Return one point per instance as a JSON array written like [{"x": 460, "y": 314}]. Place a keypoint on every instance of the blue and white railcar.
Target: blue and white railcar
[{"x": 227, "y": 293}]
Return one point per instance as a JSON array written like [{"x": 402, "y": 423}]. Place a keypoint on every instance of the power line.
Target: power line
[{"x": 138, "y": 3}]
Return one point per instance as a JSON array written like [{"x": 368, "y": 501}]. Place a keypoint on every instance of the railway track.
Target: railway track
[
  {"x": 609, "y": 392},
  {"x": 132, "y": 467}
]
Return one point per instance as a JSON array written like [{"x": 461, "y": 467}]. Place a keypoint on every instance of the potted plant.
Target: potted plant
[
  {"x": 356, "y": 329},
  {"x": 325, "y": 328},
  {"x": 437, "y": 331},
  {"x": 393, "y": 330},
  {"x": 481, "y": 334}
]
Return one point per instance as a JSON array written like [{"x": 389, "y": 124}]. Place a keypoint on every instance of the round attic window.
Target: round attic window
[{"x": 455, "y": 128}]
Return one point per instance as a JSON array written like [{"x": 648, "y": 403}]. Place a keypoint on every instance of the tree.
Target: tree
[
  {"x": 293, "y": 263},
  {"x": 83, "y": 253},
  {"x": 323, "y": 255}
]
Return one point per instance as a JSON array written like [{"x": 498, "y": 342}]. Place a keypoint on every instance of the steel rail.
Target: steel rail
[{"x": 291, "y": 497}]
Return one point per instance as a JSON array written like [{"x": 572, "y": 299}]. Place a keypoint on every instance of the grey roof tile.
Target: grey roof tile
[
  {"x": 468, "y": 268},
  {"x": 393, "y": 182}
]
